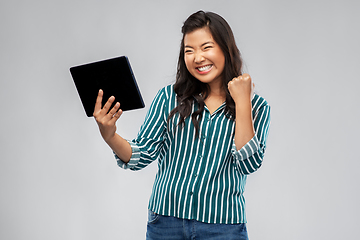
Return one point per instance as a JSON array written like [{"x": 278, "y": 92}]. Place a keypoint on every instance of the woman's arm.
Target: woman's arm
[
  {"x": 250, "y": 131},
  {"x": 106, "y": 121},
  {"x": 241, "y": 90}
]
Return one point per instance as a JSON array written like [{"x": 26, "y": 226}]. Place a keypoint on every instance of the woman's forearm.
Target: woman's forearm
[
  {"x": 121, "y": 147},
  {"x": 244, "y": 126}
]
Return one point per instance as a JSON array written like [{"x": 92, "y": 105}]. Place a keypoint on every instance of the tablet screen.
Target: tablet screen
[{"x": 114, "y": 76}]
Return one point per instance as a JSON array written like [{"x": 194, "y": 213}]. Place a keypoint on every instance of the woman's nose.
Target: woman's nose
[{"x": 198, "y": 58}]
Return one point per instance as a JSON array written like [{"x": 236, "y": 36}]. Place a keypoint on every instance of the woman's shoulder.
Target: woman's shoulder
[
  {"x": 167, "y": 91},
  {"x": 259, "y": 101}
]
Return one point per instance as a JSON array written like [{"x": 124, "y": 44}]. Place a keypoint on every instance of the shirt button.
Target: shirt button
[
  {"x": 191, "y": 193},
  {"x": 195, "y": 175}
]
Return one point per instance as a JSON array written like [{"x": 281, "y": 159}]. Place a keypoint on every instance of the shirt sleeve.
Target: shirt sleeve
[
  {"x": 135, "y": 157},
  {"x": 149, "y": 144},
  {"x": 249, "y": 158}
]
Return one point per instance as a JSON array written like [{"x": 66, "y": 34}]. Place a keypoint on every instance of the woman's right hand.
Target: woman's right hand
[{"x": 106, "y": 119}]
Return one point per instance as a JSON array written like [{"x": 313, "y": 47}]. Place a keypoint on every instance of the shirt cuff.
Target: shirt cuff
[
  {"x": 249, "y": 149},
  {"x": 135, "y": 157}
]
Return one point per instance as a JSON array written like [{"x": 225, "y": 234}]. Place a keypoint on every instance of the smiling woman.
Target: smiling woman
[
  {"x": 203, "y": 163},
  {"x": 204, "y": 58}
]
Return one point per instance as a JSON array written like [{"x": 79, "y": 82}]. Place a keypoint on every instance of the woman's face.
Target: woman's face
[{"x": 203, "y": 57}]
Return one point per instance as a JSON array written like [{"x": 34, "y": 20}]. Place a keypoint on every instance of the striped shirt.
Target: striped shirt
[{"x": 201, "y": 178}]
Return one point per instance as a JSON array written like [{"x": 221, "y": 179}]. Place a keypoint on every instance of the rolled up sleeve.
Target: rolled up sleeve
[
  {"x": 135, "y": 157},
  {"x": 250, "y": 157}
]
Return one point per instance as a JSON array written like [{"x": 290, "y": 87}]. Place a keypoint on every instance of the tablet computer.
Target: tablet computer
[{"x": 114, "y": 76}]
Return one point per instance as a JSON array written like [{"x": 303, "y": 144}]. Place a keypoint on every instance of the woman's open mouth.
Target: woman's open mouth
[{"x": 204, "y": 69}]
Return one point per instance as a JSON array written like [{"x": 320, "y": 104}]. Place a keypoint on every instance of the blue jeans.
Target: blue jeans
[{"x": 170, "y": 228}]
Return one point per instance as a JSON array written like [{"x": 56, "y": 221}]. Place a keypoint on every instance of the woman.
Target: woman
[{"x": 208, "y": 131}]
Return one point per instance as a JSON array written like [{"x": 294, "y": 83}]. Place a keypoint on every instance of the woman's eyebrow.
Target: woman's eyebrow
[{"x": 209, "y": 42}]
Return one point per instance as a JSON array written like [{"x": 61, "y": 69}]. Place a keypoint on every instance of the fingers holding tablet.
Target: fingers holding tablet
[
  {"x": 104, "y": 118},
  {"x": 101, "y": 111}
]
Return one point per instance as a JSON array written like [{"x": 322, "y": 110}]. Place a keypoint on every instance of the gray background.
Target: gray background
[{"x": 59, "y": 180}]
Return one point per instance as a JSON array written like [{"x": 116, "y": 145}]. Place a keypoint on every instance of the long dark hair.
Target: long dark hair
[{"x": 187, "y": 87}]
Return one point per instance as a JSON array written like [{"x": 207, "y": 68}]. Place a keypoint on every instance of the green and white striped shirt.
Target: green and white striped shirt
[{"x": 198, "y": 178}]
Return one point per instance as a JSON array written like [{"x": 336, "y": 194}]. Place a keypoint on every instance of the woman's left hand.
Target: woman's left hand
[{"x": 241, "y": 88}]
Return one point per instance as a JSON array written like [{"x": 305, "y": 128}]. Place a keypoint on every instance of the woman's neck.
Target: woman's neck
[{"x": 217, "y": 91}]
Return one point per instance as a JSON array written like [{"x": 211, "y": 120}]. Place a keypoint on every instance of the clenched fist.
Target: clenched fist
[{"x": 241, "y": 88}]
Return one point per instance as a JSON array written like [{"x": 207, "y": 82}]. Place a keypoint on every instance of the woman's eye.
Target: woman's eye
[{"x": 207, "y": 47}]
